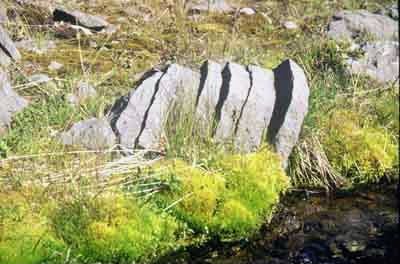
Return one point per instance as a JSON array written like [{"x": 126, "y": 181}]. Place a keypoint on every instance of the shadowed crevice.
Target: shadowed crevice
[
  {"x": 245, "y": 101},
  {"x": 203, "y": 78},
  {"x": 284, "y": 92},
  {"x": 146, "y": 114},
  {"x": 223, "y": 95},
  {"x": 6, "y": 52}
]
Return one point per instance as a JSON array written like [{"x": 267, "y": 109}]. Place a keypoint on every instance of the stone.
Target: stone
[
  {"x": 76, "y": 17},
  {"x": 85, "y": 91},
  {"x": 348, "y": 25},
  {"x": 129, "y": 113},
  {"x": 10, "y": 103},
  {"x": 290, "y": 108},
  {"x": 8, "y": 51},
  {"x": 234, "y": 91},
  {"x": 39, "y": 79},
  {"x": 380, "y": 61},
  {"x": 55, "y": 66},
  {"x": 209, "y": 90},
  {"x": 177, "y": 82},
  {"x": 290, "y": 25},
  {"x": 93, "y": 134},
  {"x": 257, "y": 111},
  {"x": 3, "y": 14},
  {"x": 391, "y": 11},
  {"x": 37, "y": 47},
  {"x": 248, "y": 11},
  {"x": 72, "y": 99},
  {"x": 217, "y": 6}
]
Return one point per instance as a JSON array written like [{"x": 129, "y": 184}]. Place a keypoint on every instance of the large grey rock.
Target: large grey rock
[
  {"x": 234, "y": 92},
  {"x": 79, "y": 18},
  {"x": 209, "y": 90},
  {"x": 10, "y": 103},
  {"x": 290, "y": 109},
  {"x": 380, "y": 61},
  {"x": 176, "y": 82},
  {"x": 257, "y": 111},
  {"x": 8, "y": 51},
  {"x": 93, "y": 134},
  {"x": 347, "y": 25},
  {"x": 217, "y": 6},
  {"x": 129, "y": 116}
]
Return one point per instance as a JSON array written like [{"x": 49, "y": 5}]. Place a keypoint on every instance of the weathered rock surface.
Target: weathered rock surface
[
  {"x": 79, "y": 18},
  {"x": 85, "y": 91},
  {"x": 348, "y": 25},
  {"x": 290, "y": 109},
  {"x": 93, "y": 134},
  {"x": 380, "y": 61},
  {"x": 208, "y": 94},
  {"x": 176, "y": 82},
  {"x": 257, "y": 111},
  {"x": 234, "y": 92},
  {"x": 232, "y": 103},
  {"x": 10, "y": 103},
  {"x": 217, "y": 6},
  {"x": 8, "y": 51}
]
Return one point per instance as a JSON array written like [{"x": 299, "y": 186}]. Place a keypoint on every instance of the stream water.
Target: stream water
[{"x": 360, "y": 227}]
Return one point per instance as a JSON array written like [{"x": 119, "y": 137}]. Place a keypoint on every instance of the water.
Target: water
[{"x": 357, "y": 227}]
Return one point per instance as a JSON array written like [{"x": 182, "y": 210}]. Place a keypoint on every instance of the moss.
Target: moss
[{"x": 357, "y": 149}]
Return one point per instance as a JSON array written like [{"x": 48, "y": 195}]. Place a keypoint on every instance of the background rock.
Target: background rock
[
  {"x": 94, "y": 134},
  {"x": 218, "y": 6},
  {"x": 10, "y": 102},
  {"x": 79, "y": 18},
  {"x": 8, "y": 51}
]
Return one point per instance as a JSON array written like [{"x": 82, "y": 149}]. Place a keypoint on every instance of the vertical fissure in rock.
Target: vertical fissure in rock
[
  {"x": 146, "y": 114},
  {"x": 223, "y": 95},
  {"x": 245, "y": 101},
  {"x": 203, "y": 78},
  {"x": 284, "y": 92}
]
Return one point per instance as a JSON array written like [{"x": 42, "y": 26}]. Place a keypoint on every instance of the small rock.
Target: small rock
[
  {"x": 247, "y": 11},
  {"x": 10, "y": 103},
  {"x": 75, "y": 17},
  {"x": 37, "y": 47},
  {"x": 85, "y": 91},
  {"x": 93, "y": 134},
  {"x": 290, "y": 25},
  {"x": 55, "y": 66},
  {"x": 217, "y": 6},
  {"x": 72, "y": 99},
  {"x": 380, "y": 61},
  {"x": 8, "y": 51},
  {"x": 347, "y": 25},
  {"x": 39, "y": 79}
]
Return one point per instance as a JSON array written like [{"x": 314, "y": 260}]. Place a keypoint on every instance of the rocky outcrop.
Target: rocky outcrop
[
  {"x": 79, "y": 18},
  {"x": 380, "y": 61},
  {"x": 10, "y": 103},
  {"x": 350, "y": 24},
  {"x": 233, "y": 103},
  {"x": 8, "y": 51},
  {"x": 93, "y": 134}
]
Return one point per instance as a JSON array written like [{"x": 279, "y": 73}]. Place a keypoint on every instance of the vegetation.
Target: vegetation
[{"x": 57, "y": 209}]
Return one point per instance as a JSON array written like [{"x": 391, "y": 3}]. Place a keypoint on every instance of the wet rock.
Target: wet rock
[
  {"x": 257, "y": 111},
  {"x": 93, "y": 134},
  {"x": 177, "y": 82},
  {"x": 209, "y": 90},
  {"x": 380, "y": 61},
  {"x": 55, "y": 66},
  {"x": 76, "y": 17},
  {"x": 8, "y": 51},
  {"x": 234, "y": 92},
  {"x": 290, "y": 25},
  {"x": 85, "y": 91},
  {"x": 37, "y": 47},
  {"x": 348, "y": 25},
  {"x": 10, "y": 103},
  {"x": 290, "y": 108},
  {"x": 217, "y": 6},
  {"x": 248, "y": 11}
]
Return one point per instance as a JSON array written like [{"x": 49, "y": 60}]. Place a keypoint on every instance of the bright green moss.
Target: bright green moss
[{"x": 363, "y": 153}]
